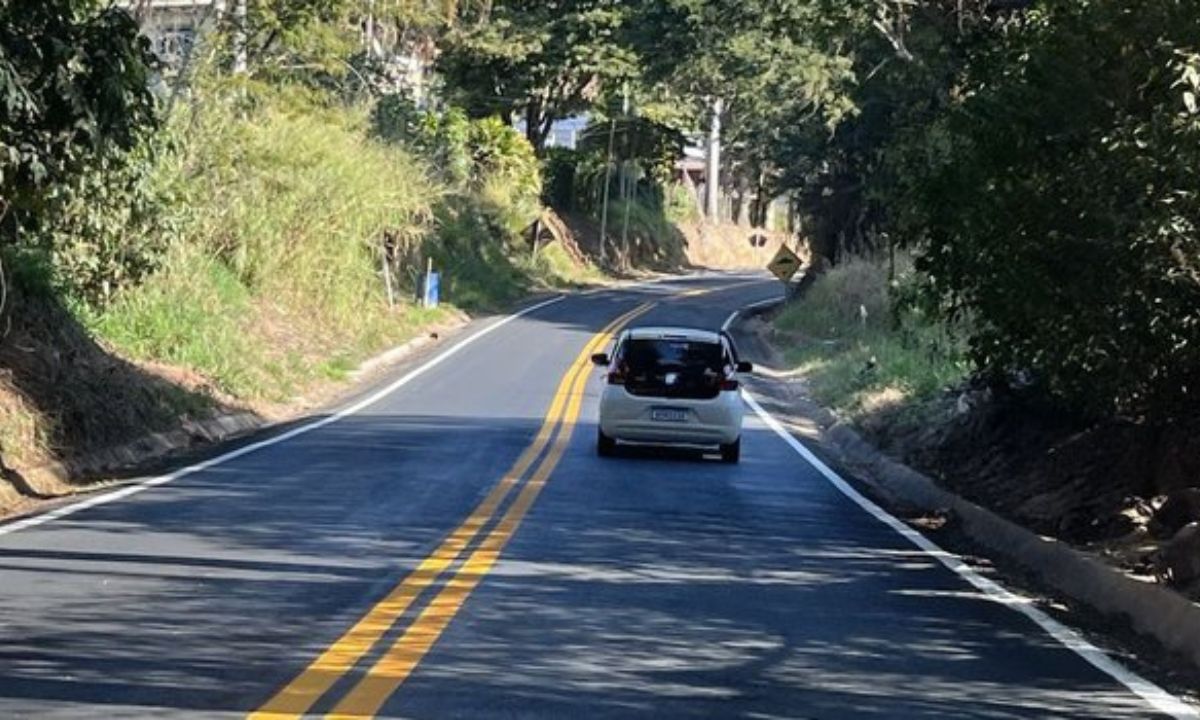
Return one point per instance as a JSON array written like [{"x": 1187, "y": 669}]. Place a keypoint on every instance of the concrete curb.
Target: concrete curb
[
  {"x": 398, "y": 353},
  {"x": 60, "y": 477},
  {"x": 57, "y": 478},
  {"x": 1153, "y": 610}
]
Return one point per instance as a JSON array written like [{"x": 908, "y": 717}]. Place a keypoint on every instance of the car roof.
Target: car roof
[{"x": 673, "y": 333}]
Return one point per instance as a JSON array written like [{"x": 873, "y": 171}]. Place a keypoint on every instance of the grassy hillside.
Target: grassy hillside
[
  {"x": 274, "y": 210},
  {"x": 275, "y": 280}
]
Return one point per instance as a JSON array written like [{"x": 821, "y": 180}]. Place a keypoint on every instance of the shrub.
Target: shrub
[
  {"x": 74, "y": 172},
  {"x": 443, "y": 139},
  {"x": 858, "y": 337},
  {"x": 507, "y": 175},
  {"x": 485, "y": 158},
  {"x": 298, "y": 203},
  {"x": 396, "y": 118},
  {"x": 1060, "y": 206},
  {"x": 679, "y": 204},
  {"x": 109, "y": 227}
]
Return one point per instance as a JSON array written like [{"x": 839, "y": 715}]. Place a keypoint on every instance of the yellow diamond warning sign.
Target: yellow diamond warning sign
[{"x": 785, "y": 263}]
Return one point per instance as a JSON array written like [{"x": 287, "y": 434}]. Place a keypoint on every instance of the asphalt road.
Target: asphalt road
[{"x": 395, "y": 562}]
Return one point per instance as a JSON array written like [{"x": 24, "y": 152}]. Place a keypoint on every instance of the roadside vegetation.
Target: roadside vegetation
[
  {"x": 863, "y": 345},
  {"x": 239, "y": 239},
  {"x": 1038, "y": 163},
  {"x": 272, "y": 279}
]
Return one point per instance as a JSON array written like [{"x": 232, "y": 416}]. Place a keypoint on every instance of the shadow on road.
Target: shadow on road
[{"x": 655, "y": 584}]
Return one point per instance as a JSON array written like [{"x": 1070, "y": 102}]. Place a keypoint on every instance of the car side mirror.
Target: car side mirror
[
  {"x": 745, "y": 367},
  {"x": 600, "y": 359}
]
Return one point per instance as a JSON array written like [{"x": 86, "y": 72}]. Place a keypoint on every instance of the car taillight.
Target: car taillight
[{"x": 729, "y": 384}]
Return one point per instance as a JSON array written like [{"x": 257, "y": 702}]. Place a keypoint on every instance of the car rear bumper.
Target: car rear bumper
[
  {"x": 709, "y": 422},
  {"x": 670, "y": 433}
]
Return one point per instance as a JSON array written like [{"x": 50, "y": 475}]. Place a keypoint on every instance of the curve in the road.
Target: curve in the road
[
  {"x": 390, "y": 671},
  {"x": 643, "y": 586}
]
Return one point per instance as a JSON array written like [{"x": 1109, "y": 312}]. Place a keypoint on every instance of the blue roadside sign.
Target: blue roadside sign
[{"x": 433, "y": 281}]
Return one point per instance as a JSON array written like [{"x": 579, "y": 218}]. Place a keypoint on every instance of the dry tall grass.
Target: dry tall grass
[{"x": 862, "y": 352}]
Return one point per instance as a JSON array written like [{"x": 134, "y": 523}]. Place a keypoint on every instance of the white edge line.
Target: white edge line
[
  {"x": 734, "y": 316},
  {"x": 650, "y": 284},
  {"x": 625, "y": 285},
  {"x": 132, "y": 489},
  {"x": 1158, "y": 698}
]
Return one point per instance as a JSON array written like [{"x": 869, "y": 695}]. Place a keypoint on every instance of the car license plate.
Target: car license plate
[{"x": 668, "y": 415}]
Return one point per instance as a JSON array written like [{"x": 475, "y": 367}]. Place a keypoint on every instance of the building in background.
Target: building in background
[
  {"x": 172, "y": 26},
  {"x": 564, "y": 133}
]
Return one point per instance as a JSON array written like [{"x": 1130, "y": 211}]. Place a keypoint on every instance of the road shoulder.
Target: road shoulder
[
  {"x": 56, "y": 484},
  {"x": 1147, "y": 627}
]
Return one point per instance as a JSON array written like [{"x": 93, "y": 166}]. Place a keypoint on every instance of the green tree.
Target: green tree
[
  {"x": 535, "y": 59},
  {"x": 1059, "y": 205},
  {"x": 75, "y": 114},
  {"x": 774, "y": 67}
]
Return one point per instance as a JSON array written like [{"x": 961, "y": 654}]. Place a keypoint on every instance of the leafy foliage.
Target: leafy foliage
[
  {"x": 75, "y": 114},
  {"x": 1061, "y": 208},
  {"x": 484, "y": 158},
  {"x": 110, "y": 226},
  {"x": 442, "y": 138},
  {"x": 73, "y": 85},
  {"x": 1039, "y": 157},
  {"x": 538, "y": 60}
]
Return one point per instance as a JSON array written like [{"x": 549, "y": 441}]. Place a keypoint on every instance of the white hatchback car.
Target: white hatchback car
[{"x": 672, "y": 386}]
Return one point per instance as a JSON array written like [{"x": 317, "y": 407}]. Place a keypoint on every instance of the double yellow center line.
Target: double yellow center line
[{"x": 402, "y": 656}]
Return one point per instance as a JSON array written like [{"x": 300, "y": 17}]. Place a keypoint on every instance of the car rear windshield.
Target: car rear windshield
[{"x": 675, "y": 368}]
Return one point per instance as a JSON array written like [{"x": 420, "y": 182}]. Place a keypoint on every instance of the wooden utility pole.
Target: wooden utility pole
[
  {"x": 627, "y": 187},
  {"x": 370, "y": 30},
  {"x": 612, "y": 134},
  {"x": 712, "y": 173},
  {"x": 240, "y": 39}
]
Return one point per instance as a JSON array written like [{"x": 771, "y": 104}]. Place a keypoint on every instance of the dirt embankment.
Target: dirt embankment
[
  {"x": 73, "y": 411},
  {"x": 63, "y": 395},
  {"x": 666, "y": 246},
  {"x": 731, "y": 247},
  {"x": 1127, "y": 490}
]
